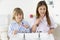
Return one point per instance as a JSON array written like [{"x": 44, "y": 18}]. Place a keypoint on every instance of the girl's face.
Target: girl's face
[
  {"x": 18, "y": 17},
  {"x": 42, "y": 10}
]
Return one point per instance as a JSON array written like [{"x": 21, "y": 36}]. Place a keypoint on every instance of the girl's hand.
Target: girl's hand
[
  {"x": 38, "y": 21},
  {"x": 50, "y": 31},
  {"x": 34, "y": 28}
]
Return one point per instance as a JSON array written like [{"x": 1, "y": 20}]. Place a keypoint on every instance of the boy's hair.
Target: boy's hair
[{"x": 16, "y": 12}]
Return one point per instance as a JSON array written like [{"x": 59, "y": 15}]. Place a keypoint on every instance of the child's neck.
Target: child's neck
[{"x": 19, "y": 22}]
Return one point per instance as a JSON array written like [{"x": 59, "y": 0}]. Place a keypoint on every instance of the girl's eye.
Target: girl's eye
[
  {"x": 44, "y": 9},
  {"x": 40, "y": 8}
]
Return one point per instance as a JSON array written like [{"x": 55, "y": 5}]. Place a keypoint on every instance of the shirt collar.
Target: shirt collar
[{"x": 16, "y": 22}]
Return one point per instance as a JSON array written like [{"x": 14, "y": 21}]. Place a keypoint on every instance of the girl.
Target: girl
[
  {"x": 43, "y": 23},
  {"x": 18, "y": 25}
]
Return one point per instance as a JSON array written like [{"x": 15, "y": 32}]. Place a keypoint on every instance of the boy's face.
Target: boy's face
[{"x": 19, "y": 17}]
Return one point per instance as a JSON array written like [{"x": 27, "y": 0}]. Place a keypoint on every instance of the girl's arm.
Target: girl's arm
[
  {"x": 34, "y": 27},
  {"x": 53, "y": 26}
]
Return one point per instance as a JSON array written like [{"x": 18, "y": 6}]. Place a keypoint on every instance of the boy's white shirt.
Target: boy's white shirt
[{"x": 15, "y": 26}]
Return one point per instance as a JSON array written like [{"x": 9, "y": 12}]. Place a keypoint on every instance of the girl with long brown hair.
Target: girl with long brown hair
[{"x": 43, "y": 23}]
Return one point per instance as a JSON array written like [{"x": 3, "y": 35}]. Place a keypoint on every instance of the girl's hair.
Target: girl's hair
[
  {"x": 16, "y": 12},
  {"x": 47, "y": 13}
]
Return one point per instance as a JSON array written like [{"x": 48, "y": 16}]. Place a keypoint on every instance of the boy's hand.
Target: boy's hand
[
  {"x": 26, "y": 26},
  {"x": 15, "y": 32}
]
